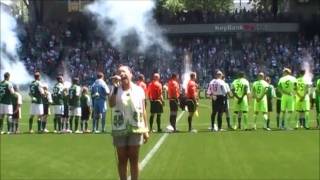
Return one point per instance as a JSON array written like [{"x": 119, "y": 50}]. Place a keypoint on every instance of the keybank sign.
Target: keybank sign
[
  {"x": 235, "y": 27},
  {"x": 227, "y": 27},
  {"x": 231, "y": 28}
]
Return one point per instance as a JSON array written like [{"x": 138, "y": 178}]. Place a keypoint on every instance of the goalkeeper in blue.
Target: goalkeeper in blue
[
  {"x": 302, "y": 102},
  {"x": 260, "y": 105}
]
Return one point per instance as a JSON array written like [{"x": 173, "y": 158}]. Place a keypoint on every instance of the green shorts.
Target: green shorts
[
  {"x": 303, "y": 105},
  {"x": 318, "y": 104},
  {"x": 241, "y": 106},
  {"x": 287, "y": 103},
  {"x": 261, "y": 106}
]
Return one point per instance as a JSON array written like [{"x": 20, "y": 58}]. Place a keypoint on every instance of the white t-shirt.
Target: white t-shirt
[
  {"x": 217, "y": 87},
  {"x": 129, "y": 108}
]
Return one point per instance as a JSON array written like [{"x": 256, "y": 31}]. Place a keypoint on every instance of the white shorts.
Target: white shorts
[
  {"x": 36, "y": 109},
  {"x": 58, "y": 109},
  {"x": 6, "y": 109},
  {"x": 75, "y": 111}
]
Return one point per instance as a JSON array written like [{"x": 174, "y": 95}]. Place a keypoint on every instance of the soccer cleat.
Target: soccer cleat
[
  {"x": 88, "y": 131},
  {"x": 31, "y": 131},
  {"x": 46, "y": 131},
  {"x": 68, "y": 131},
  {"x": 193, "y": 131},
  {"x": 2, "y": 132},
  {"x": 55, "y": 131},
  {"x": 78, "y": 132},
  {"x": 267, "y": 129},
  {"x": 254, "y": 127},
  {"x": 222, "y": 130},
  {"x": 96, "y": 132},
  {"x": 215, "y": 127},
  {"x": 9, "y": 132}
]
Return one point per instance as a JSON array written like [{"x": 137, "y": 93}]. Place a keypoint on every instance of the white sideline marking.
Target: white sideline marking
[{"x": 155, "y": 148}]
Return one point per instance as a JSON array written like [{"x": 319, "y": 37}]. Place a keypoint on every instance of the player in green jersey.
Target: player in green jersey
[
  {"x": 259, "y": 90},
  {"x": 302, "y": 101},
  {"x": 6, "y": 109},
  {"x": 317, "y": 93},
  {"x": 36, "y": 109},
  {"x": 58, "y": 105},
  {"x": 75, "y": 104},
  {"x": 287, "y": 87},
  {"x": 240, "y": 90}
]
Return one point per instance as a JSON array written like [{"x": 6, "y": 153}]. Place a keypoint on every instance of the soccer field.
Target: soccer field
[{"x": 204, "y": 155}]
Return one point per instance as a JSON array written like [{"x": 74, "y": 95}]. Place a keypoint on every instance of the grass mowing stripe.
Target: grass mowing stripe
[{"x": 156, "y": 147}]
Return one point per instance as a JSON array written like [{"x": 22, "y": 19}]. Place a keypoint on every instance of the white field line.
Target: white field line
[{"x": 155, "y": 148}]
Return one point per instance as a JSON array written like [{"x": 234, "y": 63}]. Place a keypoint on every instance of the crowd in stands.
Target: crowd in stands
[
  {"x": 239, "y": 15},
  {"x": 58, "y": 48}
]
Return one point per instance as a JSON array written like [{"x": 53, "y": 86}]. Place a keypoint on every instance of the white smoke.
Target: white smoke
[
  {"x": 120, "y": 19},
  {"x": 307, "y": 65},
  {"x": 8, "y": 45},
  {"x": 66, "y": 77},
  {"x": 187, "y": 70}
]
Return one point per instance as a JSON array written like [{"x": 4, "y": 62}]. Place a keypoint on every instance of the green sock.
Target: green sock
[
  {"x": 318, "y": 120},
  {"x": 307, "y": 118},
  {"x": 255, "y": 120},
  {"x": 234, "y": 120},
  {"x": 283, "y": 120},
  {"x": 245, "y": 120},
  {"x": 76, "y": 122},
  {"x": 1, "y": 124},
  {"x": 297, "y": 120},
  {"x": 288, "y": 120}
]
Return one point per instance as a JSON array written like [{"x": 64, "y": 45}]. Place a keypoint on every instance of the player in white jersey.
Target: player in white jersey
[{"x": 217, "y": 91}]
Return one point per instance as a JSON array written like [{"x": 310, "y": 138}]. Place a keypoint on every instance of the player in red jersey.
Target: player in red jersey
[
  {"x": 192, "y": 99},
  {"x": 173, "y": 95},
  {"x": 156, "y": 100}
]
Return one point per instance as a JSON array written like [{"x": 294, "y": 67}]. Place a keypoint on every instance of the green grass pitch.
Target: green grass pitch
[{"x": 205, "y": 155}]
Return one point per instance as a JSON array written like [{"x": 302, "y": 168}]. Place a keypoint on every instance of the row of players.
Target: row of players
[
  {"x": 75, "y": 104},
  {"x": 69, "y": 105}
]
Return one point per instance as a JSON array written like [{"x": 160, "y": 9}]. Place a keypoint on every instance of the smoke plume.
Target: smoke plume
[
  {"x": 9, "y": 43},
  {"x": 129, "y": 24},
  {"x": 187, "y": 70},
  {"x": 306, "y": 65}
]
